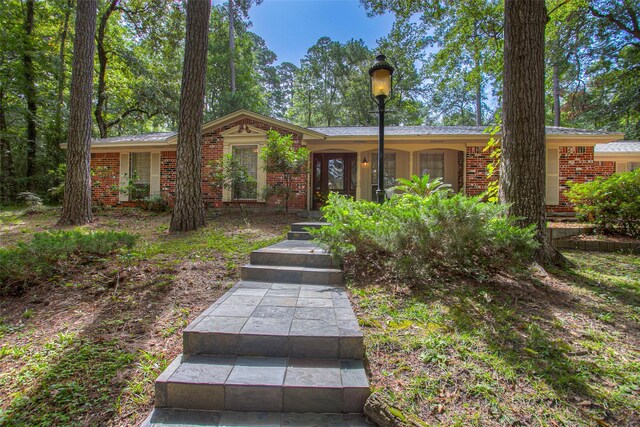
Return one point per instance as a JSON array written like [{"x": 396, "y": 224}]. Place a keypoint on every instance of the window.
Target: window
[
  {"x": 139, "y": 175},
  {"x": 389, "y": 172},
  {"x": 432, "y": 164},
  {"x": 631, "y": 166},
  {"x": 246, "y": 184}
]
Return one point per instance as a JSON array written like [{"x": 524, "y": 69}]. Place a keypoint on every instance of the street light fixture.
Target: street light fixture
[{"x": 381, "y": 78}]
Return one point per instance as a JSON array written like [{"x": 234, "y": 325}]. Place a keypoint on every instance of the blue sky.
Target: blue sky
[{"x": 290, "y": 27}]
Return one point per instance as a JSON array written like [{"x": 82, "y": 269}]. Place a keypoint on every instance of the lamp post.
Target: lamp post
[{"x": 380, "y": 76}]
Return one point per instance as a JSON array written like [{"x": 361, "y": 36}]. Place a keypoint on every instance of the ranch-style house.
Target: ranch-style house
[{"x": 344, "y": 160}]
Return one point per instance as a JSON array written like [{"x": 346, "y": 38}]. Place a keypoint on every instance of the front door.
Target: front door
[{"x": 333, "y": 173}]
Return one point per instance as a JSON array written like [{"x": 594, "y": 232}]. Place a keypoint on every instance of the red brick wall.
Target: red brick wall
[
  {"x": 105, "y": 169},
  {"x": 168, "y": 175},
  {"x": 577, "y": 165},
  {"x": 477, "y": 162}
]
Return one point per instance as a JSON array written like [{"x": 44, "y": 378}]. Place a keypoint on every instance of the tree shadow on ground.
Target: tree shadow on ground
[
  {"x": 104, "y": 372},
  {"x": 520, "y": 322}
]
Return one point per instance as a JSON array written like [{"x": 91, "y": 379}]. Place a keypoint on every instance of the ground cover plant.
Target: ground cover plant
[{"x": 83, "y": 344}]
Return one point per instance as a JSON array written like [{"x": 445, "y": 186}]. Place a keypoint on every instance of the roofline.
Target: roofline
[
  {"x": 599, "y": 138},
  {"x": 307, "y": 133}
]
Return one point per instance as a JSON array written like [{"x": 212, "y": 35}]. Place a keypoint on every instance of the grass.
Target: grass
[
  {"x": 84, "y": 344},
  {"x": 557, "y": 349}
]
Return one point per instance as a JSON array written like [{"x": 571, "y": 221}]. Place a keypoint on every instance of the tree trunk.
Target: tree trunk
[
  {"x": 476, "y": 56},
  {"x": 102, "y": 70},
  {"x": 232, "y": 47},
  {"x": 381, "y": 411},
  {"x": 62, "y": 77},
  {"x": 30, "y": 94},
  {"x": 76, "y": 207},
  {"x": 522, "y": 166},
  {"x": 556, "y": 96},
  {"x": 7, "y": 188},
  {"x": 479, "y": 104},
  {"x": 188, "y": 211}
]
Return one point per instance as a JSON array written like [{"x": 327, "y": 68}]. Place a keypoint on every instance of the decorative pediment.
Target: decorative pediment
[{"x": 243, "y": 130}]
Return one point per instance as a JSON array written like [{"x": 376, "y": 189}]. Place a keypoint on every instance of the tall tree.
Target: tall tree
[
  {"x": 188, "y": 211},
  {"x": 235, "y": 6},
  {"x": 30, "y": 93},
  {"x": 522, "y": 166},
  {"x": 76, "y": 208}
]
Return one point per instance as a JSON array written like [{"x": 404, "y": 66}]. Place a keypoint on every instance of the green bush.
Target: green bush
[
  {"x": 155, "y": 203},
  {"x": 612, "y": 203},
  {"x": 32, "y": 261},
  {"x": 414, "y": 236}
]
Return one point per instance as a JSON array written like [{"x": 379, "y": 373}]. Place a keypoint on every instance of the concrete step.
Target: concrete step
[
  {"x": 304, "y": 226},
  {"x": 299, "y": 235},
  {"x": 271, "y": 384},
  {"x": 295, "y": 253},
  {"x": 277, "y": 320},
  {"x": 164, "y": 417},
  {"x": 292, "y": 274}
]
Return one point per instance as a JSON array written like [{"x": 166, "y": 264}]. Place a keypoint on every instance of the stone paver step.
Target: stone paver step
[
  {"x": 299, "y": 235},
  {"x": 292, "y": 274},
  {"x": 272, "y": 384},
  {"x": 296, "y": 253},
  {"x": 277, "y": 319},
  {"x": 304, "y": 226},
  {"x": 164, "y": 417}
]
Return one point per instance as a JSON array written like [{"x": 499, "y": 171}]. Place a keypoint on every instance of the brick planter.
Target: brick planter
[{"x": 598, "y": 245}]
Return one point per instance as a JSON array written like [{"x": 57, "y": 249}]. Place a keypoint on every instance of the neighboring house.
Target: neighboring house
[{"x": 344, "y": 160}]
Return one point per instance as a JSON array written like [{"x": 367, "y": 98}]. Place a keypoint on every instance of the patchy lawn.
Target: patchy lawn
[
  {"x": 556, "y": 349},
  {"x": 85, "y": 346}
]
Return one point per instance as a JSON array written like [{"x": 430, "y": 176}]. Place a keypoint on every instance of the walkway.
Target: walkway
[{"x": 281, "y": 348}]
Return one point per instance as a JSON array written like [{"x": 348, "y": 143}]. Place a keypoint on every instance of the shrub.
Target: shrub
[
  {"x": 155, "y": 203},
  {"x": 31, "y": 201},
  {"x": 26, "y": 262},
  {"x": 415, "y": 235},
  {"x": 612, "y": 203}
]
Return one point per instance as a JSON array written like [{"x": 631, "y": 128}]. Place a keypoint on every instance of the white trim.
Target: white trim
[
  {"x": 154, "y": 169},
  {"x": 552, "y": 182},
  {"x": 124, "y": 176},
  {"x": 244, "y": 139}
]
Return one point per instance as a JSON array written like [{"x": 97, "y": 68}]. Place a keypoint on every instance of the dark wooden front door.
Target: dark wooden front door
[{"x": 333, "y": 172}]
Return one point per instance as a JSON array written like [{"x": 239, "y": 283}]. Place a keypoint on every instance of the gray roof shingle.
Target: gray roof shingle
[
  {"x": 356, "y": 131},
  {"x": 619, "y": 147},
  {"x": 143, "y": 137},
  {"x": 437, "y": 130}
]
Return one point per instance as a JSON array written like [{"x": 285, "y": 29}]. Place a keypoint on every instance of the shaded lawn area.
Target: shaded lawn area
[
  {"x": 84, "y": 346},
  {"x": 537, "y": 349}
]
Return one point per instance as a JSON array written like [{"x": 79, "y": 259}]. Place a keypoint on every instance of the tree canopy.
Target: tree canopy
[{"x": 447, "y": 55}]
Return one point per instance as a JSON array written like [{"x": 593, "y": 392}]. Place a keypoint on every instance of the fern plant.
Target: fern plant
[{"x": 422, "y": 186}]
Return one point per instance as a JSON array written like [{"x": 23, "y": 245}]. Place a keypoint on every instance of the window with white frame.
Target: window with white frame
[
  {"x": 432, "y": 164},
  {"x": 139, "y": 175},
  {"x": 631, "y": 166},
  {"x": 245, "y": 186}
]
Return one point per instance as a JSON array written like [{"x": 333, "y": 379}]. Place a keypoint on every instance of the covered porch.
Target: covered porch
[{"x": 353, "y": 171}]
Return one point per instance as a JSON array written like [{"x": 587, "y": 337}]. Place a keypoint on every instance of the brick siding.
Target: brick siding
[
  {"x": 577, "y": 165},
  {"x": 105, "y": 168},
  {"x": 477, "y": 162}
]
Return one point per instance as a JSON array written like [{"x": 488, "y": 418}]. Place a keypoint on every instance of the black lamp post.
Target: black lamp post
[{"x": 381, "y": 77}]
